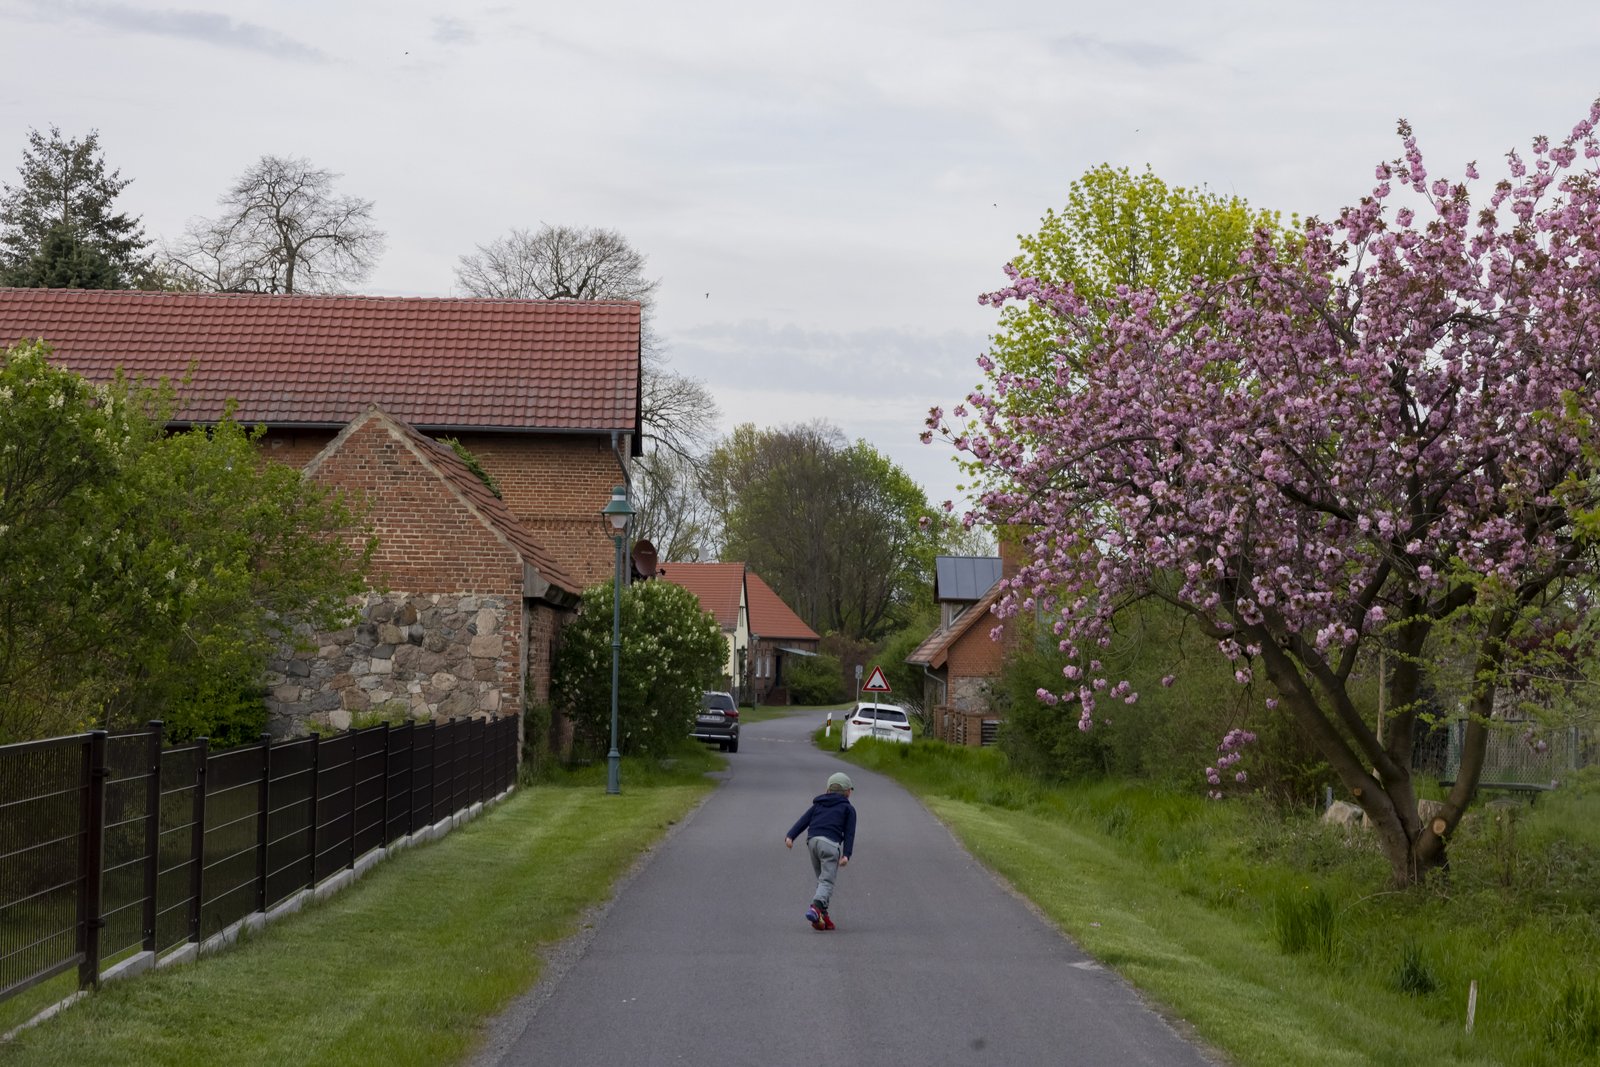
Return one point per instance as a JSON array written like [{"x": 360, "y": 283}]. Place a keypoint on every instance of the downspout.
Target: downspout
[
  {"x": 938, "y": 727},
  {"x": 622, "y": 464}
]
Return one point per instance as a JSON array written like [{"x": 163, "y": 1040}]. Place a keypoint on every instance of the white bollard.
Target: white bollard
[{"x": 827, "y": 731}]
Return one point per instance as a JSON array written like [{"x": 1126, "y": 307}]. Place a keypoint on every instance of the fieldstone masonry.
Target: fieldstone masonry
[{"x": 425, "y": 657}]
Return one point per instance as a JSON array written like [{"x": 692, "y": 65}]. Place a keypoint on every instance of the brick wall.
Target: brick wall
[
  {"x": 296, "y": 447},
  {"x": 974, "y": 654},
  {"x": 557, "y": 485}
]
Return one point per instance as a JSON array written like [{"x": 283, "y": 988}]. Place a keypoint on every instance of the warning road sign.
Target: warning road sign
[{"x": 876, "y": 682}]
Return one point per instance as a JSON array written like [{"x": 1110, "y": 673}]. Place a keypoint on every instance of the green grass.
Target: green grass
[
  {"x": 403, "y": 967},
  {"x": 1276, "y": 937}
]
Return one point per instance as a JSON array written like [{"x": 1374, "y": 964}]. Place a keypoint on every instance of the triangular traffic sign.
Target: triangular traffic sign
[{"x": 876, "y": 682}]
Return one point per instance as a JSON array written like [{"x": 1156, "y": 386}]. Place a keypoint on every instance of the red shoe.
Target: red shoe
[
  {"x": 827, "y": 921},
  {"x": 814, "y": 917}
]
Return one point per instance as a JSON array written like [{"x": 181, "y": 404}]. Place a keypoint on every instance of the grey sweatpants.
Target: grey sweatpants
[{"x": 825, "y": 862}]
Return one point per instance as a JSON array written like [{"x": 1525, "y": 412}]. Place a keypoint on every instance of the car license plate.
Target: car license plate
[{"x": 710, "y": 720}]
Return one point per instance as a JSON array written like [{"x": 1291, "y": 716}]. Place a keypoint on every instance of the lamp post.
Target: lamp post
[{"x": 617, "y": 514}]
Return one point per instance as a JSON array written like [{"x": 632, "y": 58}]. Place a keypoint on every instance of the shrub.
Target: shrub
[
  {"x": 1169, "y": 734},
  {"x": 672, "y": 652},
  {"x": 814, "y": 679}
]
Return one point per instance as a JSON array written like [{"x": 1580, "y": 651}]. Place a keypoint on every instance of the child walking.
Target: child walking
[{"x": 830, "y": 826}]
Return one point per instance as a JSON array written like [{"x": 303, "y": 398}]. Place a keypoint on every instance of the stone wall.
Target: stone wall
[
  {"x": 423, "y": 656},
  {"x": 971, "y": 694}
]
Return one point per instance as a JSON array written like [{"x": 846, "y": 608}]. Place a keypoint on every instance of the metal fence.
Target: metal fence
[
  {"x": 113, "y": 844},
  {"x": 1516, "y": 757}
]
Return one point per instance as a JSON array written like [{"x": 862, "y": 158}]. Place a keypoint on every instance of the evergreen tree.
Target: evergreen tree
[{"x": 58, "y": 225}]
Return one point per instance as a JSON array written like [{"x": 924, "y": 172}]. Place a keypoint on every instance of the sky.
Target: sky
[{"x": 822, "y": 190}]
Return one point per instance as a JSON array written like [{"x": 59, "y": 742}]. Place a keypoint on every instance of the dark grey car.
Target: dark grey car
[{"x": 718, "y": 721}]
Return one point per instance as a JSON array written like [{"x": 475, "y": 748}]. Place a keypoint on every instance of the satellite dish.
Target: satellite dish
[{"x": 644, "y": 559}]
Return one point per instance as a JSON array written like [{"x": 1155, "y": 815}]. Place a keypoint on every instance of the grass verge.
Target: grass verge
[
  {"x": 402, "y": 968},
  {"x": 1275, "y": 937}
]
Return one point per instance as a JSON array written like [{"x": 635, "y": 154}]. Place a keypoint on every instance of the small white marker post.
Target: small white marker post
[
  {"x": 827, "y": 731},
  {"x": 1472, "y": 1003}
]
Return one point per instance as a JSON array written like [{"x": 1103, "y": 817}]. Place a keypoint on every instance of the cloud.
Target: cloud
[
  {"x": 447, "y": 30},
  {"x": 1138, "y": 53},
  {"x": 203, "y": 26}
]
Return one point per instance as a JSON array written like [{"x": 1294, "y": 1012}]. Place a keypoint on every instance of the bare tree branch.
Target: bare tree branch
[{"x": 283, "y": 229}]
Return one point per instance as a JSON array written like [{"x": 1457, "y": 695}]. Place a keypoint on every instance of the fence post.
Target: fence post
[
  {"x": 411, "y": 778},
  {"x": 152, "y": 832},
  {"x": 264, "y": 812},
  {"x": 352, "y": 768},
  {"x": 197, "y": 837},
  {"x": 92, "y": 858},
  {"x": 311, "y": 822},
  {"x": 383, "y": 795}
]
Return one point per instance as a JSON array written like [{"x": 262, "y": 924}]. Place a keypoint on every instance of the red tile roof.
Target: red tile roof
[
  {"x": 718, "y": 585},
  {"x": 772, "y": 619},
  {"x": 934, "y": 651},
  {"x": 455, "y": 473},
  {"x": 436, "y": 363}
]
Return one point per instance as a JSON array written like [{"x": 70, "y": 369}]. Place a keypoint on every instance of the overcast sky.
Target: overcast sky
[{"x": 824, "y": 188}]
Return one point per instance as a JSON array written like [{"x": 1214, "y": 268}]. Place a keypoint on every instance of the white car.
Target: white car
[{"x": 886, "y": 722}]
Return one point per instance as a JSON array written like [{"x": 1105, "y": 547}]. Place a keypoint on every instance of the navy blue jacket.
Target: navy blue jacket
[{"x": 832, "y": 816}]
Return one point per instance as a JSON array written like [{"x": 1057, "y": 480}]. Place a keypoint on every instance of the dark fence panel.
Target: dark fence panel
[
  {"x": 288, "y": 815},
  {"x": 335, "y": 784},
  {"x": 112, "y": 844},
  {"x": 42, "y": 795},
  {"x": 127, "y": 844},
  {"x": 369, "y": 790},
  {"x": 233, "y": 811},
  {"x": 424, "y": 755}
]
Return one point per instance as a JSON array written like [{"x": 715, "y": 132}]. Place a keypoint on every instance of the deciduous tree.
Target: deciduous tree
[
  {"x": 283, "y": 229},
  {"x": 145, "y": 575},
  {"x": 1363, "y": 439},
  {"x": 839, "y": 531}
]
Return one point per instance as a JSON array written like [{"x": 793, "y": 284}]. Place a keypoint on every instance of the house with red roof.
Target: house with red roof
[
  {"x": 357, "y": 391},
  {"x": 960, "y": 659},
  {"x": 543, "y": 393},
  {"x": 764, "y": 634}
]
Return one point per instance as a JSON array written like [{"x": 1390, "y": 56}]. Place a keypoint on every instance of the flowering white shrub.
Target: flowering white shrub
[{"x": 672, "y": 652}]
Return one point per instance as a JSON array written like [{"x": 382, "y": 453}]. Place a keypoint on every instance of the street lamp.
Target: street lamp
[{"x": 617, "y": 513}]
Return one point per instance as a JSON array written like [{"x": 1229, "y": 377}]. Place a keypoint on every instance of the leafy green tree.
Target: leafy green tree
[
  {"x": 838, "y": 530},
  {"x": 672, "y": 652},
  {"x": 58, "y": 225},
  {"x": 1119, "y": 233},
  {"x": 144, "y": 575}
]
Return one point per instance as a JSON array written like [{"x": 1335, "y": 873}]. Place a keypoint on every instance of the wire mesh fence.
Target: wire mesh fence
[{"x": 116, "y": 844}]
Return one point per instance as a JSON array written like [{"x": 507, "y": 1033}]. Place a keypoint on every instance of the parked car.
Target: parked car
[
  {"x": 886, "y": 722},
  {"x": 718, "y": 721}
]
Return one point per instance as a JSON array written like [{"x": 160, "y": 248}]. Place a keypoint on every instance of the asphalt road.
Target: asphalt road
[{"x": 704, "y": 957}]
